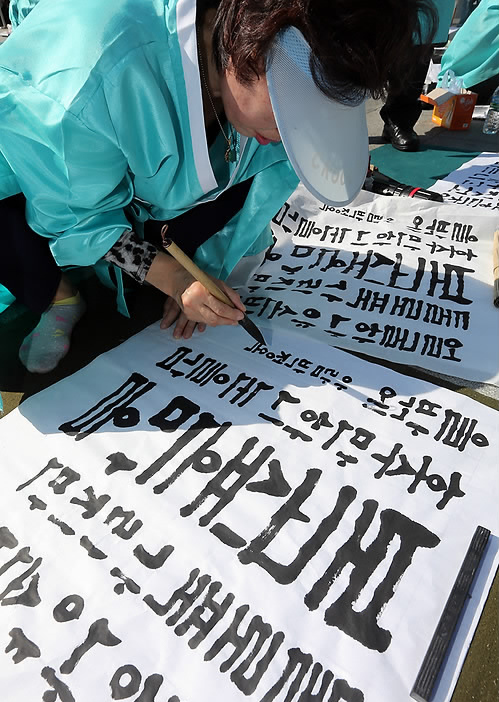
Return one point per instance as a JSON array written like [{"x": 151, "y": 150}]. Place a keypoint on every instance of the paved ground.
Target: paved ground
[{"x": 102, "y": 328}]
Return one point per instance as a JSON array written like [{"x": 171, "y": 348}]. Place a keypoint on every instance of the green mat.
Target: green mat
[{"x": 419, "y": 168}]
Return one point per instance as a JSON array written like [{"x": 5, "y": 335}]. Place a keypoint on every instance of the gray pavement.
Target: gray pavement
[{"x": 432, "y": 136}]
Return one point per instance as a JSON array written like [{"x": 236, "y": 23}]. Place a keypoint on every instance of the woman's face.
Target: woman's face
[{"x": 248, "y": 108}]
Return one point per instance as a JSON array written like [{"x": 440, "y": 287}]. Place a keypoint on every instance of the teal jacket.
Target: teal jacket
[
  {"x": 473, "y": 54},
  {"x": 19, "y": 9},
  {"x": 101, "y": 120}
]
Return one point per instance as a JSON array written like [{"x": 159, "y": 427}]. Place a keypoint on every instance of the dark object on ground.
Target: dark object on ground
[
  {"x": 401, "y": 138},
  {"x": 428, "y": 673},
  {"x": 381, "y": 184}
]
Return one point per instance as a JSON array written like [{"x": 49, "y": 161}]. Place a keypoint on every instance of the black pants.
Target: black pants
[
  {"x": 404, "y": 108},
  {"x": 194, "y": 227},
  {"x": 28, "y": 269}
]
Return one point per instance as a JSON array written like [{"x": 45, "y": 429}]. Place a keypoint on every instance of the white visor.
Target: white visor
[{"x": 326, "y": 142}]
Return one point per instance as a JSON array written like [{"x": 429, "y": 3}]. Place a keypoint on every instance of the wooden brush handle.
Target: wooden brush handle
[
  {"x": 495, "y": 254},
  {"x": 196, "y": 272}
]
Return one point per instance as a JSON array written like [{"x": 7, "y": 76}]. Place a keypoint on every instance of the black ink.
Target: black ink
[
  {"x": 236, "y": 465},
  {"x": 65, "y": 528},
  {"x": 127, "y": 583},
  {"x": 92, "y": 505},
  {"x": 343, "y": 425},
  {"x": 118, "y": 461},
  {"x": 341, "y": 690},
  {"x": 291, "y": 510},
  {"x": 363, "y": 626},
  {"x": 7, "y": 539},
  {"x": 53, "y": 463},
  {"x": 227, "y": 536},
  {"x": 209, "y": 369},
  {"x": 434, "y": 481},
  {"x": 308, "y": 695},
  {"x": 150, "y": 561},
  {"x": 66, "y": 477},
  {"x": 69, "y": 608},
  {"x": 92, "y": 550},
  {"x": 240, "y": 642},
  {"x": 120, "y": 513},
  {"x": 36, "y": 503},
  {"x": 203, "y": 369},
  {"x": 60, "y": 690},
  {"x": 275, "y": 485},
  {"x": 121, "y": 692},
  {"x": 180, "y": 354},
  {"x": 180, "y": 595},
  {"x": 205, "y": 421},
  {"x": 296, "y": 659},
  {"x": 185, "y": 408},
  {"x": 114, "y": 407},
  {"x": 25, "y": 647},
  {"x": 453, "y": 490},
  {"x": 151, "y": 688},
  {"x": 98, "y": 633},
  {"x": 215, "y": 609},
  {"x": 370, "y": 301},
  {"x": 248, "y": 389},
  {"x": 22, "y": 556},
  {"x": 457, "y": 430},
  {"x": 446, "y": 282},
  {"x": 30, "y": 597}
]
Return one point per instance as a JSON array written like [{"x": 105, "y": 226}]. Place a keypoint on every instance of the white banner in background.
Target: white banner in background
[
  {"x": 207, "y": 521},
  {"x": 400, "y": 279},
  {"x": 475, "y": 184}
]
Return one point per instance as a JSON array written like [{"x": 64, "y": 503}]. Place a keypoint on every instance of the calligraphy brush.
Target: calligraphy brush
[{"x": 209, "y": 284}]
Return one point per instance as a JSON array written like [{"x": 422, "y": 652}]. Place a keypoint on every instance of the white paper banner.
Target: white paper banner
[
  {"x": 394, "y": 278},
  {"x": 475, "y": 184},
  {"x": 202, "y": 521}
]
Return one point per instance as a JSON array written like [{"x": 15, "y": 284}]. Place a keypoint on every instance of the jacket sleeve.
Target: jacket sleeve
[
  {"x": 248, "y": 232},
  {"x": 473, "y": 54},
  {"x": 19, "y": 9},
  {"x": 74, "y": 175}
]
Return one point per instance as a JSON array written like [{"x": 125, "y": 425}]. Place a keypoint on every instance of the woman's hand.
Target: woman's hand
[
  {"x": 189, "y": 302},
  {"x": 183, "y": 328}
]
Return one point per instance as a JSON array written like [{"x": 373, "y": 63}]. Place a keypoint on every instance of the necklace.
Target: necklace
[{"x": 230, "y": 152}]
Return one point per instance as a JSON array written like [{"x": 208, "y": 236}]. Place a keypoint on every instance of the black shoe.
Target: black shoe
[{"x": 401, "y": 138}]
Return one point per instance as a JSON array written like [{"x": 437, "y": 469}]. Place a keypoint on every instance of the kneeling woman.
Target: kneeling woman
[{"x": 116, "y": 116}]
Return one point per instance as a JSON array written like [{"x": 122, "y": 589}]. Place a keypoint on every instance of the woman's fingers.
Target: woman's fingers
[
  {"x": 195, "y": 304},
  {"x": 171, "y": 311},
  {"x": 184, "y": 327},
  {"x": 232, "y": 294},
  {"x": 200, "y": 305}
]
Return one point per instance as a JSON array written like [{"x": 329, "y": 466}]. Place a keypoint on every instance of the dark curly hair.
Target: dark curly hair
[{"x": 358, "y": 46}]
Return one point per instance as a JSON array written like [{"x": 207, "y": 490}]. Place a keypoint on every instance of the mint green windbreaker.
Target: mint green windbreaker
[
  {"x": 473, "y": 54},
  {"x": 101, "y": 118}
]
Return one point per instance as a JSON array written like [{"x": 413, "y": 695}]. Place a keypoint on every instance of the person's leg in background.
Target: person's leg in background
[
  {"x": 402, "y": 109},
  {"x": 29, "y": 272}
]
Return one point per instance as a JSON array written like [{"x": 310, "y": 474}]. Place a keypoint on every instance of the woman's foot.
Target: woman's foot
[{"x": 49, "y": 341}]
